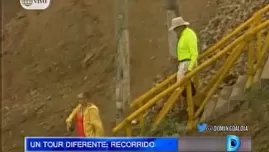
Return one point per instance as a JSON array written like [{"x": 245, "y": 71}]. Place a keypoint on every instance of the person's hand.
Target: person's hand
[{"x": 69, "y": 125}]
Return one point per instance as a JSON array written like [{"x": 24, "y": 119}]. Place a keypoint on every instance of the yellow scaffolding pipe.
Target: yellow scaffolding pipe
[
  {"x": 171, "y": 88},
  {"x": 168, "y": 105},
  {"x": 226, "y": 67}
]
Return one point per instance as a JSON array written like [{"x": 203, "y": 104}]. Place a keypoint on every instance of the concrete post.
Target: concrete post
[
  {"x": 172, "y": 11},
  {"x": 122, "y": 59}
]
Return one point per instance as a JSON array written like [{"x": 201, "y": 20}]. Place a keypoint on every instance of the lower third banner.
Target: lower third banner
[{"x": 100, "y": 144}]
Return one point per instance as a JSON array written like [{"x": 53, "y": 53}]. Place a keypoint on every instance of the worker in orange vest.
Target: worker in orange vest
[{"x": 88, "y": 121}]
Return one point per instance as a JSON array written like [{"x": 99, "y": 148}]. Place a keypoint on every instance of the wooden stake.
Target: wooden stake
[
  {"x": 122, "y": 58},
  {"x": 172, "y": 11}
]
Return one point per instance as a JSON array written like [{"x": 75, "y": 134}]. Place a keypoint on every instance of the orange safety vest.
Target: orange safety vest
[{"x": 80, "y": 127}]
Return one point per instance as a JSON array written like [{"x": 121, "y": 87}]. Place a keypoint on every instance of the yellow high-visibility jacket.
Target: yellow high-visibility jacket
[
  {"x": 187, "y": 47},
  {"x": 92, "y": 122}
]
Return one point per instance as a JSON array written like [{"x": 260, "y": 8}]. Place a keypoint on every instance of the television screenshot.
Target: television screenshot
[{"x": 135, "y": 76}]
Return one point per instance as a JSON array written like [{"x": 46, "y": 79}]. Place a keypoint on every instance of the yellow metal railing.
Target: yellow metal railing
[{"x": 251, "y": 37}]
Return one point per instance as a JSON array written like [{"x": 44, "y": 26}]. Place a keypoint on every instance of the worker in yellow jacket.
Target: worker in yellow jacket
[
  {"x": 187, "y": 46},
  {"x": 88, "y": 121}
]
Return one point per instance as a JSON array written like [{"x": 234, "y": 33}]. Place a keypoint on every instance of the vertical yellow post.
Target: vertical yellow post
[
  {"x": 259, "y": 40},
  {"x": 190, "y": 106},
  {"x": 264, "y": 53},
  {"x": 197, "y": 81},
  {"x": 254, "y": 46},
  {"x": 141, "y": 121},
  {"x": 250, "y": 65},
  {"x": 128, "y": 130}
]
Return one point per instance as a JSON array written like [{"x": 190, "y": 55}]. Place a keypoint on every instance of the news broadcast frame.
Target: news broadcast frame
[{"x": 210, "y": 144}]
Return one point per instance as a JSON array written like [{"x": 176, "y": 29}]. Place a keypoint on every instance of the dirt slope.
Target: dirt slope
[
  {"x": 42, "y": 68},
  {"x": 42, "y": 60}
]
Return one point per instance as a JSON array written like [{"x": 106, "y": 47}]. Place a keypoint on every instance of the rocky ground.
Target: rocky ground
[{"x": 229, "y": 15}]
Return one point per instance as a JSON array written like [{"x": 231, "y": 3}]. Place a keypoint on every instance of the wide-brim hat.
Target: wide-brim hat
[{"x": 176, "y": 22}]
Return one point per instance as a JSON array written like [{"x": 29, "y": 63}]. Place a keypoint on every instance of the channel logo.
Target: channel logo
[
  {"x": 35, "y": 4},
  {"x": 233, "y": 143}
]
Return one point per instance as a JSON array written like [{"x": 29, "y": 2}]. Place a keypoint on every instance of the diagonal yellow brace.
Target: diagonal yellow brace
[
  {"x": 225, "y": 68},
  {"x": 153, "y": 90},
  {"x": 205, "y": 64},
  {"x": 168, "y": 105}
]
